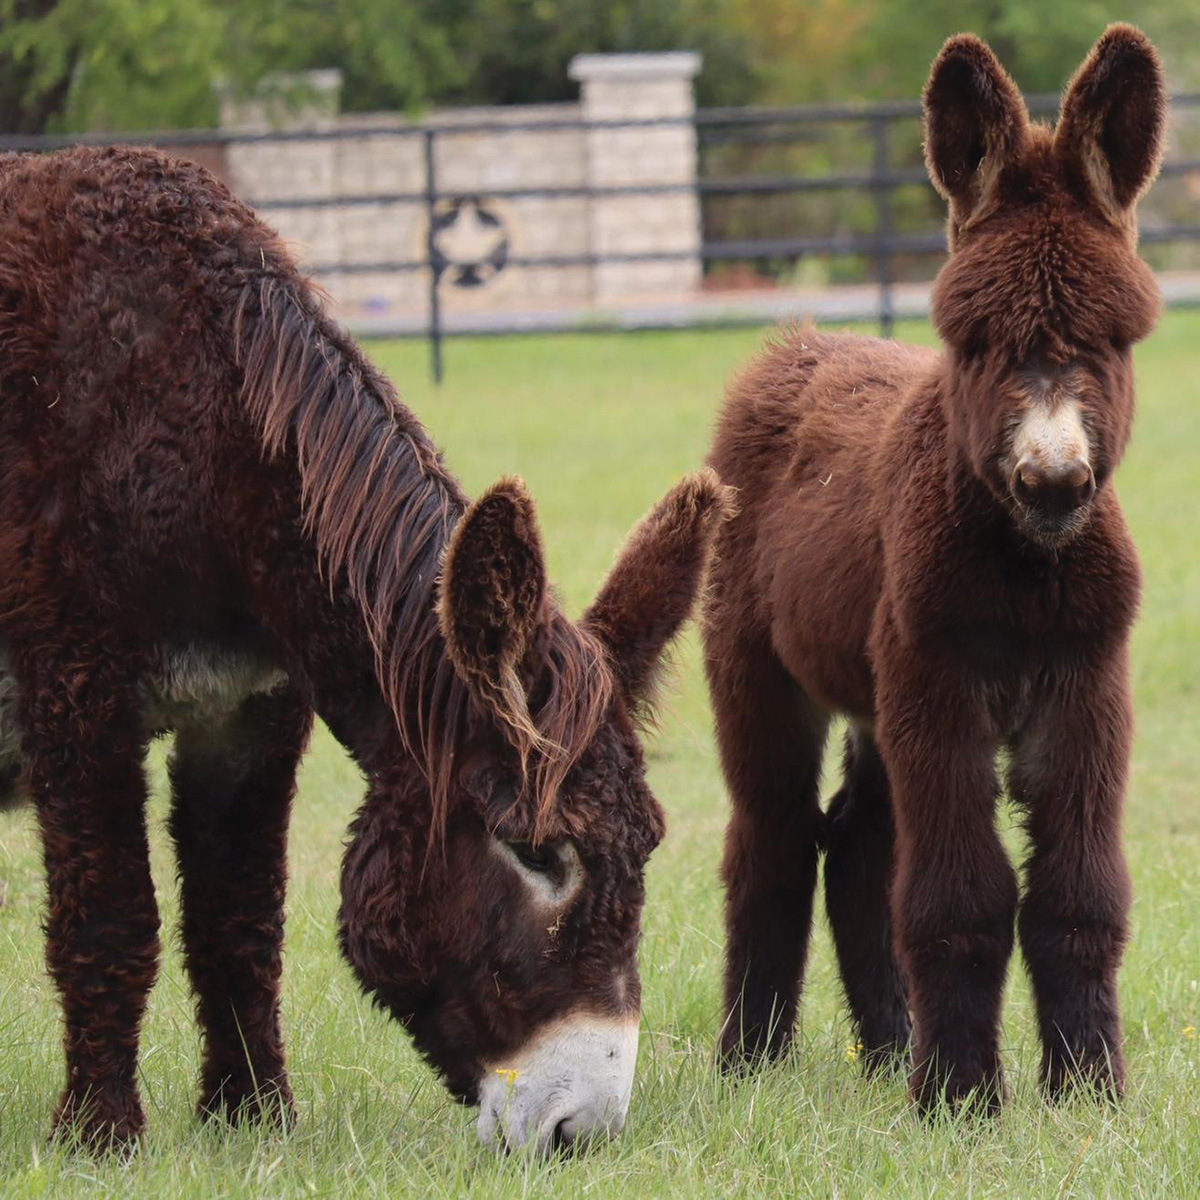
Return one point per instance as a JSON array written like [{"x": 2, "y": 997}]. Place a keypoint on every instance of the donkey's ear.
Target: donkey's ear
[
  {"x": 1110, "y": 133},
  {"x": 493, "y": 594},
  {"x": 976, "y": 124},
  {"x": 657, "y": 577}
]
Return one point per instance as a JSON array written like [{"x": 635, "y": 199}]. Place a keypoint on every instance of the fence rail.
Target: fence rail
[{"x": 883, "y": 245}]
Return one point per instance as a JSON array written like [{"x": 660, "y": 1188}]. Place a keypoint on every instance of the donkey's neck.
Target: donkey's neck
[{"x": 364, "y": 509}]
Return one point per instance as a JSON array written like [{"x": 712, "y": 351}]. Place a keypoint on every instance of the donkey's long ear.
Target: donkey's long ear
[
  {"x": 1110, "y": 133},
  {"x": 657, "y": 577},
  {"x": 492, "y": 597},
  {"x": 976, "y": 124}
]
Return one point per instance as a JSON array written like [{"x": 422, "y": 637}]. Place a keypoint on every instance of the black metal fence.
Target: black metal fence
[{"x": 755, "y": 136}]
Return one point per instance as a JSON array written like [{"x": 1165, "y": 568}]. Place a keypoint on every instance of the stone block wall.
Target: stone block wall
[
  {"x": 642, "y": 87},
  {"x": 481, "y": 232}
]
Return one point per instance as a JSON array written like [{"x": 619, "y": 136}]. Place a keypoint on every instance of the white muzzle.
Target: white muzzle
[{"x": 570, "y": 1082}]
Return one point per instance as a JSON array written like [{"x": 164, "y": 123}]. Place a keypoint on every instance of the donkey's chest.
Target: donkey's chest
[{"x": 187, "y": 684}]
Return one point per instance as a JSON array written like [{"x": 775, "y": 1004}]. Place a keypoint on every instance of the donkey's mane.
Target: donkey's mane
[{"x": 381, "y": 507}]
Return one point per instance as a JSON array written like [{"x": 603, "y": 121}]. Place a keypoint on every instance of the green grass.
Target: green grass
[{"x": 600, "y": 427}]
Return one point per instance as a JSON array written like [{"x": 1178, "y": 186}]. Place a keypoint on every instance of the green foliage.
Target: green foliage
[
  {"x": 106, "y": 63},
  {"x": 1039, "y": 43},
  {"x": 124, "y": 64},
  {"x": 516, "y": 51},
  {"x": 129, "y": 64}
]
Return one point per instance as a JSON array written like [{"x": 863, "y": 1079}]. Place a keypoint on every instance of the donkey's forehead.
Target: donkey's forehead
[
  {"x": 606, "y": 801},
  {"x": 1042, "y": 382},
  {"x": 1043, "y": 273},
  {"x": 602, "y": 802}
]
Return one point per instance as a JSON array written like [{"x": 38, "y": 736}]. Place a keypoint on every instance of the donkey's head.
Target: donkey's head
[
  {"x": 502, "y": 926},
  {"x": 1044, "y": 294}
]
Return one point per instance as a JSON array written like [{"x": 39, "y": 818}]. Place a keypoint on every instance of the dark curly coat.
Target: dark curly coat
[{"x": 216, "y": 518}]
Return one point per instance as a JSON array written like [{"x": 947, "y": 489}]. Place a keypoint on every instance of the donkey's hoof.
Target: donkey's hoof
[
  {"x": 98, "y": 1123},
  {"x": 238, "y": 1102},
  {"x": 749, "y": 1049},
  {"x": 1103, "y": 1080},
  {"x": 955, "y": 1093}
]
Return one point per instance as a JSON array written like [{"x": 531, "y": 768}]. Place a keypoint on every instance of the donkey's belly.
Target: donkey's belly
[{"x": 199, "y": 684}]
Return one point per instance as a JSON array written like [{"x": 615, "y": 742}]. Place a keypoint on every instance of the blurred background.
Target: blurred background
[{"x": 489, "y": 166}]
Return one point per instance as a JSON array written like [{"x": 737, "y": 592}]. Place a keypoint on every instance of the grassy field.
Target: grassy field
[{"x": 599, "y": 427}]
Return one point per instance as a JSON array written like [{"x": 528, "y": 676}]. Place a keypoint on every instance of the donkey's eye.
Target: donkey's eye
[
  {"x": 552, "y": 871},
  {"x": 541, "y": 858}
]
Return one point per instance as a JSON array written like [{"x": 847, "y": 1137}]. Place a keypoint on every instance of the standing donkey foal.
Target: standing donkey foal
[
  {"x": 931, "y": 544},
  {"x": 215, "y": 518}
]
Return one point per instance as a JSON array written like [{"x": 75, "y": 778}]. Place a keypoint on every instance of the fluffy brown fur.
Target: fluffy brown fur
[
  {"x": 217, "y": 518},
  {"x": 890, "y": 562}
]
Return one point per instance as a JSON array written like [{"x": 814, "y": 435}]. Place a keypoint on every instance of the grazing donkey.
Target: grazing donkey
[
  {"x": 931, "y": 544},
  {"x": 216, "y": 518}
]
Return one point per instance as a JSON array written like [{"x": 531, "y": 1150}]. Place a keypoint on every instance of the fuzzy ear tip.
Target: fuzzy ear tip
[
  {"x": 963, "y": 50},
  {"x": 966, "y": 63},
  {"x": 960, "y": 44},
  {"x": 704, "y": 491},
  {"x": 1127, "y": 37},
  {"x": 508, "y": 487},
  {"x": 1123, "y": 46}
]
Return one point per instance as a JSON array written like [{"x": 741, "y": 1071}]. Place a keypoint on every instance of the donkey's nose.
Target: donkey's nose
[
  {"x": 1053, "y": 491},
  {"x": 570, "y": 1083}
]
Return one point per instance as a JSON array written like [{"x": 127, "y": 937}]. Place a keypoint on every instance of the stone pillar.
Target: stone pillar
[
  {"x": 274, "y": 170},
  {"x": 641, "y": 87}
]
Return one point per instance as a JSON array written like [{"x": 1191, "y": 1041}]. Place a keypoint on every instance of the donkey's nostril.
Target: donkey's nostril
[
  {"x": 1085, "y": 482},
  {"x": 1024, "y": 483},
  {"x": 1053, "y": 491},
  {"x": 564, "y": 1134}
]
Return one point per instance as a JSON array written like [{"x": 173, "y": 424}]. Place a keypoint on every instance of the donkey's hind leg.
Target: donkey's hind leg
[
  {"x": 860, "y": 847},
  {"x": 771, "y": 738},
  {"x": 232, "y": 785}
]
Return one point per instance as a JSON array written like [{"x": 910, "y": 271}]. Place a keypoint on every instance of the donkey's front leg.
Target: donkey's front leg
[
  {"x": 86, "y": 778},
  {"x": 232, "y": 786},
  {"x": 955, "y": 894},
  {"x": 1068, "y": 773}
]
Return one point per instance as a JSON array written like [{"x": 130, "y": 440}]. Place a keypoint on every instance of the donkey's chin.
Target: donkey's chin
[
  {"x": 568, "y": 1085},
  {"x": 1052, "y": 532}
]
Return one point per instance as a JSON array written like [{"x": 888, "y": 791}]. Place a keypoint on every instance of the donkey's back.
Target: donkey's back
[{"x": 814, "y": 434}]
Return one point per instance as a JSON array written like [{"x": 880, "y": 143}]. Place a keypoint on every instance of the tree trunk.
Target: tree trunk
[{"x": 24, "y": 110}]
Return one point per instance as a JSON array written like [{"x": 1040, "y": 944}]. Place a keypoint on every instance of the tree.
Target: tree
[
  {"x": 130, "y": 64},
  {"x": 152, "y": 64},
  {"x": 106, "y": 63}
]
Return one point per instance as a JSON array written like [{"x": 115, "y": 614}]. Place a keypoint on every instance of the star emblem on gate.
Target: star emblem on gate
[{"x": 469, "y": 242}]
